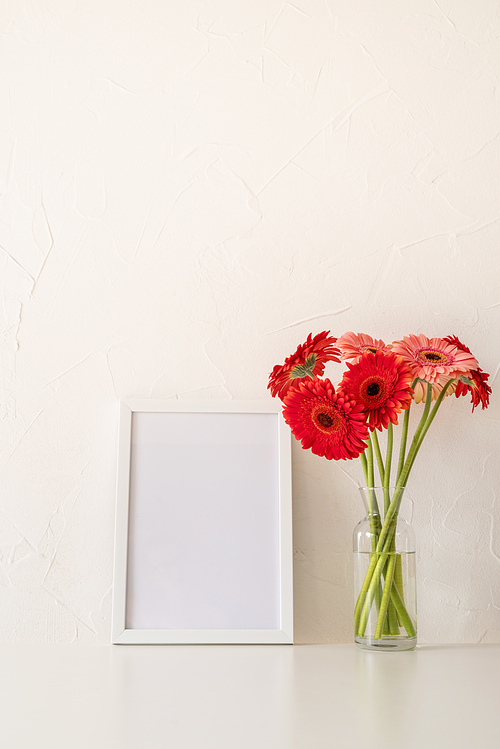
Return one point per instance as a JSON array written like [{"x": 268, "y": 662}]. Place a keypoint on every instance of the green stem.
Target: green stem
[
  {"x": 398, "y": 576},
  {"x": 364, "y": 591},
  {"x": 386, "y": 596},
  {"x": 392, "y": 616},
  {"x": 374, "y": 439},
  {"x": 373, "y": 509},
  {"x": 373, "y": 514},
  {"x": 404, "y": 435},
  {"x": 369, "y": 460},
  {"x": 387, "y": 472},
  {"x": 388, "y": 458},
  {"x": 431, "y": 418},
  {"x": 416, "y": 442},
  {"x": 364, "y": 463},
  {"x": 402, "y": 612}
]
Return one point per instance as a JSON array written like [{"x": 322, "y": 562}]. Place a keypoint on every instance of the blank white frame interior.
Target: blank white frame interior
[{"x": 203, "y": 540}]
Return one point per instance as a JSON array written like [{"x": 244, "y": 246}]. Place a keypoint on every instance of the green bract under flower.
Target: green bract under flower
[{"x": 308, "y": 361}]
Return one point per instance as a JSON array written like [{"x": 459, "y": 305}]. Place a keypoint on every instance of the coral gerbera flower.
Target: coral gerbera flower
[
  {"x": 352, "y": 345},
  {"x": 429, "y": 358},
  {"x": 477, "y": 384},
  {"x": 381, "y": 382},
  {"x": 308, "y": 361},
  {"x": 331, "y": 424}
]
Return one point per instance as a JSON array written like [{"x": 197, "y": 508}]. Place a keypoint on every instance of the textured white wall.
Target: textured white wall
[{"x": 187, "y": 189}]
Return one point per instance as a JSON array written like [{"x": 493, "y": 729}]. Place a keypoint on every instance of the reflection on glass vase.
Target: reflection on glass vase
[{"x": 385, "y": 615}]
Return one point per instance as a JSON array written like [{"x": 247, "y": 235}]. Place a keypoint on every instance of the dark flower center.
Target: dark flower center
[
  {"x": 373, "y": 389},
  {"x": 370, "y": 349},
  {"x": 325, "y": 420},
  {"x": 433, "y": 356}
]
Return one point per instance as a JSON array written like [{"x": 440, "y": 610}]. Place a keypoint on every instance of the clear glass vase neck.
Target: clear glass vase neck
[{"x": 377, "y": 500}]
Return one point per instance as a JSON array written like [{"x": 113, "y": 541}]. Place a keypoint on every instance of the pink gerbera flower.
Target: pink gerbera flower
[
  {"x": 308, "y": 361},
  {"x": 353, "y": 345},
  {"x": 331, "y": 424},
  {"x": 430, "y": 358}
]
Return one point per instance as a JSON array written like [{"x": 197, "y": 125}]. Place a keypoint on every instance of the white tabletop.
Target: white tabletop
[{"x": 248, "y": 696}]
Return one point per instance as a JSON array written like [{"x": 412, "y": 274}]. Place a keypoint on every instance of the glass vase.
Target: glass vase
[{"x": 385, "y": 615}]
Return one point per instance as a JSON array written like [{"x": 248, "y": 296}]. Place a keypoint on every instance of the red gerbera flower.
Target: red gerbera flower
[
  {"x": 331, "y": 424},
  {"x": 381, "y": 382},
  {"x": 430, "y": 358},
  {"x": 477, "y": 380},
  {"x": 308, "y": 361}
]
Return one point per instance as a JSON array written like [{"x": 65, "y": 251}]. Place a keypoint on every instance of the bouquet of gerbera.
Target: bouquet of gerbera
[{"x": 381, "y": 381}]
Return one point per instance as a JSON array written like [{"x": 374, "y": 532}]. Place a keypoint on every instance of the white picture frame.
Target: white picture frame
[{"x": 203, "y": 537}]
